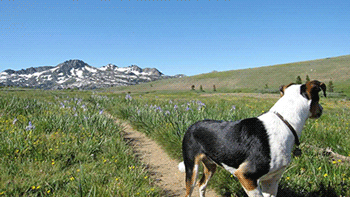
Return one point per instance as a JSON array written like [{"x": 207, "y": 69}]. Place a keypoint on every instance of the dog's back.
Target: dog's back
[{"x": 229, "y": 143}]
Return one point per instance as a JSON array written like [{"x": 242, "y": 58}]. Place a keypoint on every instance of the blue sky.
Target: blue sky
[{"x": 176, "y": 36}]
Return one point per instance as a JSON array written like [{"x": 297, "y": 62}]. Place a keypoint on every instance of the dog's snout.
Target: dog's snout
[
  {"x": 321, "y": 108},
  {"x": 316, "y": 111},
  {"x": 320, "y": 111}
]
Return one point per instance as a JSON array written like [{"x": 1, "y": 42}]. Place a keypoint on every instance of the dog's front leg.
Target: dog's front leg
[{"x": 270, "y": 186}]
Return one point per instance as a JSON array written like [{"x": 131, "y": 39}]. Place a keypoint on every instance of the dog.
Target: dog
[{"x": 255, "y": 150}]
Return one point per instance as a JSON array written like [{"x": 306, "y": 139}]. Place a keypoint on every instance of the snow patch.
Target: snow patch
[
  {"x": 26, "y": 76},
  {"x": 123, "y": 69},
  {"x": 54, "y": 69},
  {"x": 103, "y": 68},
  {"x": 80, "y": 73},
  {"x": 37, "y": 74},
  {"x": 61, "y": 80},
  {"x": 90, "y": 69},
  {"x": 72, "y": 72}
]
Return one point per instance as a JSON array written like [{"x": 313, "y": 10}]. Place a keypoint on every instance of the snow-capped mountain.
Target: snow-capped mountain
[{"x": 78, "y": 74}]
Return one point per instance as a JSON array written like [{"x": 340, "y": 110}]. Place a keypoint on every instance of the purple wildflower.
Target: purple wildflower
[
  {"x": 101, "y": 111},
  {"x": 167, "y": 112},
  {"x": 187, "y": 108},
  {"x": 128, "y": 97},
  {"x": 30, "y": 126},
  {"x": 233, "y": 108}
]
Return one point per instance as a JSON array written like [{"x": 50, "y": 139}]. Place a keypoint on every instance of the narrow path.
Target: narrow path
[{"x": 163, "y": 169}]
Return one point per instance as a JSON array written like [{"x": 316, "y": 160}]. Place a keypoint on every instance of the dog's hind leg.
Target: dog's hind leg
[
  {"x": 209, "y": 170},
  {"x": 250, "y": 185},
  {"x": 192, "y": 167}
]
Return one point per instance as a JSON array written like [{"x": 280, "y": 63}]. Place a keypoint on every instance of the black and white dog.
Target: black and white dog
[{"x": 255, "y": 150}]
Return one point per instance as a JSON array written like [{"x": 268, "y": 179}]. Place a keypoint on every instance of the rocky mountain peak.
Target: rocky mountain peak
[
  {"x": 73, "y": 64},
  {"x": 109, "y": 67},
  {"x": 78, "y": 74},
  {"x": 135, "y": 68}
]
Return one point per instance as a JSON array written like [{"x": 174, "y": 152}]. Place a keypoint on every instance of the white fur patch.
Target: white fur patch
[
  {"x": 255, "y": 193},
  {"x": 230, "y": 169},
  {"x": 182, "y": 167},
  {"x": 295, "y": 109}
]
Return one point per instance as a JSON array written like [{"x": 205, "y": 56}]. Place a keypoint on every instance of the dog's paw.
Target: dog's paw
[{"x": 181, "y": 166}]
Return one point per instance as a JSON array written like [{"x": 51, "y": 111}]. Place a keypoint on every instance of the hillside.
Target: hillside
[{"x": 267, "y": 78}]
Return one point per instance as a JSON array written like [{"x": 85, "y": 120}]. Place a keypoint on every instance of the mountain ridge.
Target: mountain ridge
[{"x": 78, "y": 74}]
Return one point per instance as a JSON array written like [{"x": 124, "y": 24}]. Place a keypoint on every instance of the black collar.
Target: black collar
[
  {"x": 296, "y": 151},
  {"x": 297, "y": 142}
]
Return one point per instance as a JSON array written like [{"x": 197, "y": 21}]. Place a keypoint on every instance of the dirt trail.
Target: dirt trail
[{"x": 163, "y": 169}]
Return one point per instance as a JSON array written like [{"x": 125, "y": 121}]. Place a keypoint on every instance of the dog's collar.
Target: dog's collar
[
  {"x": 297, "y": 151},
  {"x": 297, "y": 142}
]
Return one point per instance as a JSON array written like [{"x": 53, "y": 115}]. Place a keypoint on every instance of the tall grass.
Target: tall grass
[
  {"x": 65, "y": 146},
  {"x": 166, "y": 118}
]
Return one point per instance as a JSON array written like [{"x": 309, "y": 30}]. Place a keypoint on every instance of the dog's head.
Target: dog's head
[{"x": 310, "y": 91}]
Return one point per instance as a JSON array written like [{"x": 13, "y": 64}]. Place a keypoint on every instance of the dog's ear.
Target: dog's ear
[
  {"x": 323, "y": 87},
  {"x": 283, "y": 88},
  {"x": 304, "y": 92},
  {"x": 316, "y": 86}
]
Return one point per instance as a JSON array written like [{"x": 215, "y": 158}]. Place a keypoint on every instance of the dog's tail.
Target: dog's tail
[{"x": 181, "y": 166}]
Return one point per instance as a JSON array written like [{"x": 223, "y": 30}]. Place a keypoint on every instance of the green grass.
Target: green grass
[
  {"x": 62, "y": 144},
  {"x": 74, "y": 150},
  {"x": 165, "y": 118}
]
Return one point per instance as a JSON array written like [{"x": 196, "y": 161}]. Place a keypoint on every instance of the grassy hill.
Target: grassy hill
[{"x": 261, "y": 79}]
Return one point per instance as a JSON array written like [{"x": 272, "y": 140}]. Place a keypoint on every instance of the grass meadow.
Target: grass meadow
[
  {"x": 65, "y": 143},
  {"x": 62, "y": 144},
  {"x": 166, "y": 117}
]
